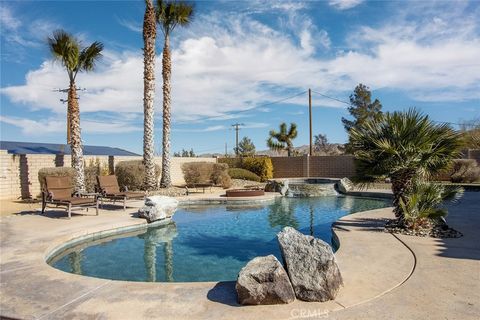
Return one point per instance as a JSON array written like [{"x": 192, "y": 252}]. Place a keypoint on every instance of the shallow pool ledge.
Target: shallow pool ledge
[{"x": 372, "y": 263}]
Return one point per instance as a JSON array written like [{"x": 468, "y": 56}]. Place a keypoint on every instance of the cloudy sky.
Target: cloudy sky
[{"x": 240, "y": 61}]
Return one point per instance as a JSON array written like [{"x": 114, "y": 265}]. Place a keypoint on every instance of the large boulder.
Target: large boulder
[
  {"x": 264, "y": 281},
  {"x": 311, "y": 266},
  {"x": 158, "y": 208},
  {"x": 273, "y": 186},
  {"x": 344, "y": 185}
]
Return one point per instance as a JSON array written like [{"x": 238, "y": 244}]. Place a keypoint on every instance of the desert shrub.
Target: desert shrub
[
  {"x": 239, "y": 173},
  {"x": 131, "y": 174},
  {"x": 94, "y": 168},
  {"x": 262, "y": 167},
  {"x": 205, "y": 172},
  {"x": 232, "y": 162},
  {"x": 57, "y": 172},
  {"x": 465, "y": 170},
  {"x": 220, "y": 175}
]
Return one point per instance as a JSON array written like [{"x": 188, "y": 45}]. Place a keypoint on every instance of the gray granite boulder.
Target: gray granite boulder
[
  {"x": 273, "y": 186},
  {"x": 264, "y": 281},
  {"x": 158, "y": 208},
  {"x": 344, "y": 185},
  {"x": 311, "y": 266}
]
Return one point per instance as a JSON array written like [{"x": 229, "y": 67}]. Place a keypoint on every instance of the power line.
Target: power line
[
  {"x": 255, "y": 107},
  {"x": 331, "y": 98}
]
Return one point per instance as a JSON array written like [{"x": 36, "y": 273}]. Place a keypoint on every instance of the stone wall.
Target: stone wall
[{"x": 19, "y": 173}]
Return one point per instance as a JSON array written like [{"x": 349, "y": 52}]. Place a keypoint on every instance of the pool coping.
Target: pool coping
[{"x": 59, "y": 243}]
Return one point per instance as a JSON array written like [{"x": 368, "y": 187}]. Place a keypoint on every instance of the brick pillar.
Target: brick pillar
[
  {"x": 111, "y": 164},
  {"x": 306, "y": 165}
]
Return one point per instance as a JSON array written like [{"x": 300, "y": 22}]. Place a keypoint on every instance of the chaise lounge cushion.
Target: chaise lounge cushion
[{"x": 109, "y": 186}]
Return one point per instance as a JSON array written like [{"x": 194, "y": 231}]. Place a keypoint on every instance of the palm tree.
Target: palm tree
[
  {"x": 66, "y": 48},
  {"x": 149, "y": 35},
  {"x": 284, "y": 138},
  {"x": 169, "y": 15},
  {"x": 403, "y": 146}
]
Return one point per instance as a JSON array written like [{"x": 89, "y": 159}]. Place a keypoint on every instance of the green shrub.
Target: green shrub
[
  {"x": 57, "y": 172},
  {"x": 206, "y": 172},
  {"x": 232, "y": 162},
  {"x": 239, "y": 173},
  {"x": 131, "y": 174},
  {"x": 465, "y": 170},
  {"x": 262, "y": 167}
]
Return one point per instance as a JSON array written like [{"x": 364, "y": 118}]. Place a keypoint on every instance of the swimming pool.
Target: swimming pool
[{"x": 208, "y": 243}]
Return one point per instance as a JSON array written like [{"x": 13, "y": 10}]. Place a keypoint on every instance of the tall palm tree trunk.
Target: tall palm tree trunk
[
  {"x": 166, "y": 73},
  {"x": 75, "y": 138},
  {"x": 149, "y": 34}
]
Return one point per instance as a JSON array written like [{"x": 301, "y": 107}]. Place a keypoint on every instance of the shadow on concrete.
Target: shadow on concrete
[
  {"x": 464, "y": 216},
  {"x": 57, "y": 213},
  {"x": 364, "y": 224},
  {"x": 224, "y": 292}
]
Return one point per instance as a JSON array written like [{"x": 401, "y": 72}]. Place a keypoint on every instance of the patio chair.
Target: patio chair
[
  {"x": 109, "y": 189},
  {"x": 59, "y": 191}
]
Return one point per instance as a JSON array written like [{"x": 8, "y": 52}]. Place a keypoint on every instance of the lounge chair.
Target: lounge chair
[
  {"x": 59, "y": 191},
  {"x": 109, "y": 189}
]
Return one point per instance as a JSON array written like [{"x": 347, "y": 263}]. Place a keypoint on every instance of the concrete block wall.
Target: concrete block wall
[
  {"x": 315, "y": 166},
  {"x": 332, "y": 166},
  {"x": 9, "y": 175},
  {"x": 289, "y": 167}
]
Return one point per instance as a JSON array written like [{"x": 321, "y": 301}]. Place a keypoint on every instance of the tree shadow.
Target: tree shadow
[{"x": 464, "y": 216}]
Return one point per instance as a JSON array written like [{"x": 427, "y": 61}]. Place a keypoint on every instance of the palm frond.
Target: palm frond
[{"x": 89, "y": 56}]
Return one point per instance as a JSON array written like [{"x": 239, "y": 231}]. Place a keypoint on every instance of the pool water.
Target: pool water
[{"x": 209, "y": 243}]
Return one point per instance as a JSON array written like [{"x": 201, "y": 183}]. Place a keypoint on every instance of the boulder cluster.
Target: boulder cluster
[{"x": 311, "y": 274}]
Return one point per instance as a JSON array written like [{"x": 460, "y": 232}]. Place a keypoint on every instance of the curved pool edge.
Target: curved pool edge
[{"x": 87, "y": 296}]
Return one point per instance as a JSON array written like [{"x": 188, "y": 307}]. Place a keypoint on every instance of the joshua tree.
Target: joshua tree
[
  {"x": 403, "y": 146},
  {"x": 149, "y": 35},
  {"x": 284, "y": 138},
  {"x": 169, "y": 15},
  {"x": 67, "y": 49}
]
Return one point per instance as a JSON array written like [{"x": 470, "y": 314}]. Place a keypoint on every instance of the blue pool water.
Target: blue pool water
[{"x": 208, "y": 243}]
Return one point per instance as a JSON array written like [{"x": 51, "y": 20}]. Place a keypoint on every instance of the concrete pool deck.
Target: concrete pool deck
[{"x": 386, "y": 276}]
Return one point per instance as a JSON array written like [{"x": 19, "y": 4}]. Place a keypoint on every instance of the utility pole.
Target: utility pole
[
  {"x": 226, "y": 150},
  {"x": 236, "y": 128},
  {"x": 310, "y": 116}
]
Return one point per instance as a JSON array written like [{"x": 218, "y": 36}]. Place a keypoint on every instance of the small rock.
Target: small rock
[
  {"x": 344, "y": 185},
  {"x": 158, "y": 208},
  {"x": 311, "y": 266},
  {"x": 264, "y": 281}
]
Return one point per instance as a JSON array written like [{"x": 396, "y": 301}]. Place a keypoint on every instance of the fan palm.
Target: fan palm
[
  {"x": 170, "y": 14},
  {"x": 424, "y": 202},
  {"x": 402, "y": 146},
  {"x": 68, "y": 51},
  {"x": 149, "y": 35},
  {"x": 283, "y": 138}
]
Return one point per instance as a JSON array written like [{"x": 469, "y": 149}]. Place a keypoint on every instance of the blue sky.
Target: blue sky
[{"x": 233, "y": 61}]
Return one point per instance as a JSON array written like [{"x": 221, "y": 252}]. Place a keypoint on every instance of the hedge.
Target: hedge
[
  {"x": 239, "y": 173},
  {"x": 131, "y": 174},
  {"x": 261, "y": 166},
  {"x": 206, "y": 172}
]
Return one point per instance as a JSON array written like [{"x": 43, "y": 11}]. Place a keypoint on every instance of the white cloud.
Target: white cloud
[
  {"x": 344, "y": 4},
  {"x": 130, "y": 25},
  {"x": 57, "y": 125},
  {"x": 236, "y": 63}
]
